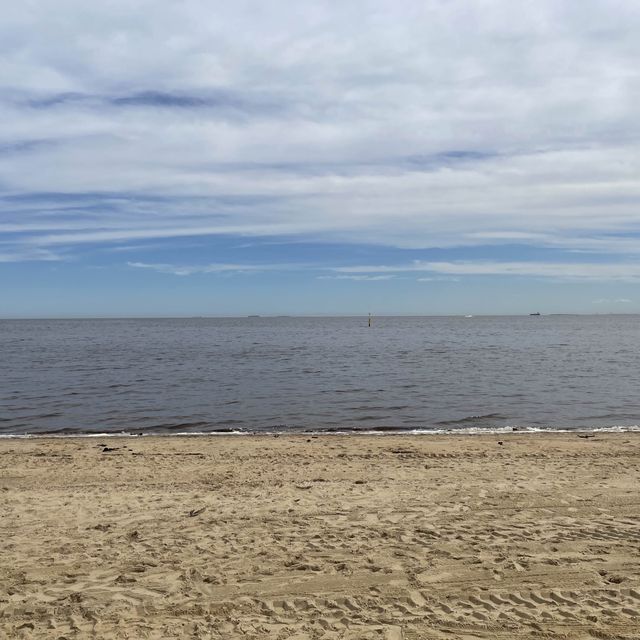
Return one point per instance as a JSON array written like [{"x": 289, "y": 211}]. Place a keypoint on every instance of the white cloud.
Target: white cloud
[
  {"x": 436, "y": 271},
  {"x": 413, "y": 124},
  {"x": 185, "y": 270},
  {"x": 577, "y": 271},
  {"x": 27, "y": 255},
  {"x": 616, "y": 301},
  {"x": 359, "y": 278},
  {"x": 438, "y": 279},
  {"x": 223, "y": 268}
]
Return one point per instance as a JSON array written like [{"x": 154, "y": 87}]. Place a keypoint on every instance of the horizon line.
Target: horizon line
[{"x": 315, "y": 315}]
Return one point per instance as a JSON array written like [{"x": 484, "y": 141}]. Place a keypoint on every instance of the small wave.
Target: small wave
[
  {"x": 173, "y": 426},
  {"x": 123, "y": 434},
  {"x": 473, "y": 419},
  {"x": 329, "y": 430},
  {"x": 607, "y": 416}
]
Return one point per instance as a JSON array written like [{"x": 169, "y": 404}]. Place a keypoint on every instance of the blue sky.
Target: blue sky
[{"x": 193, "y": 158}]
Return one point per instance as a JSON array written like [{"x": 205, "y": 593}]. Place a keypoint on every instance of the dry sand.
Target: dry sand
[{"x": 330, "y": 537}]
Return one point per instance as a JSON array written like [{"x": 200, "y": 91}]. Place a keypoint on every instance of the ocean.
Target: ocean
[{"x": 287, "y": 374}]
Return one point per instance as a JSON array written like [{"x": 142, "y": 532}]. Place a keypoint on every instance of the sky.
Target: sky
[{"x": 179, "y": 158}]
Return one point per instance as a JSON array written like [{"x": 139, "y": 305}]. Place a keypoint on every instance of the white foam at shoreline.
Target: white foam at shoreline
[{"x": 373, "y": 432}]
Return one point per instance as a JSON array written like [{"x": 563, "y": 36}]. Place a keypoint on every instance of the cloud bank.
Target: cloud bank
[{"x": 414, "y": 124}]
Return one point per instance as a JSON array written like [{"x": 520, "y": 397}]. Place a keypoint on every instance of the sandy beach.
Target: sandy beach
[{"x": 516, "y": 536}]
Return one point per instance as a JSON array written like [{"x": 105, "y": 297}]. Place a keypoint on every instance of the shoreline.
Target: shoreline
[
  {"x": 321, "y": 536},
  {"x": 330, "y": 431}
]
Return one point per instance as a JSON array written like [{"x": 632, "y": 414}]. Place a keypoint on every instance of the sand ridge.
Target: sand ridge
[{"x": 321, "y": 537}]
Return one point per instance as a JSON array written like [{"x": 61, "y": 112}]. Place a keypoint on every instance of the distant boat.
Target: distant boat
[
  {"x": 535, "y": 314},
  {"x": 468, "y": 316}
]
